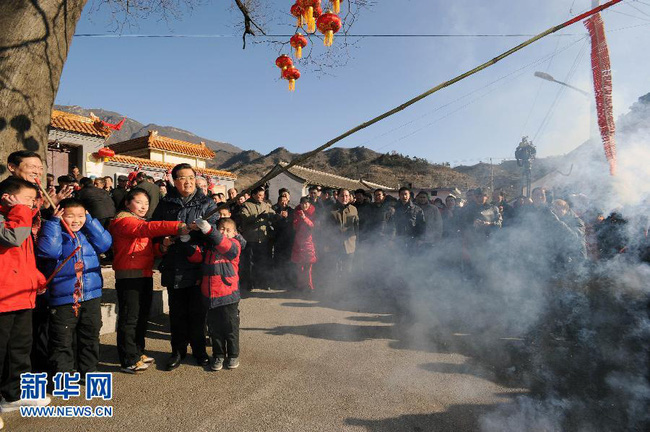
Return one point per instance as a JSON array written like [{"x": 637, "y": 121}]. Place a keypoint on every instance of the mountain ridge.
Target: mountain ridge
[{"x": 391, "y": 169}]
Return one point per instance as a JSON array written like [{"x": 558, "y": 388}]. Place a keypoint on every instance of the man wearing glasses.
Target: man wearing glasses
[{"x": 181, "y": 264}]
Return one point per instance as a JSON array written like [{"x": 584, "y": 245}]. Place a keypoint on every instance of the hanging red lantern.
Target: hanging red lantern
[
  {"x": 308, "y": 8},
  {"x": 105, "y": 153},
  {"x": 296, "y": 10},
  {"x": 328, "y": 24},
  {"x": 298, "y": 42},
  {"x": 336, "y": 6},
  {"x": 283, "y": 62},
  {"x": 291, "y": 74}
]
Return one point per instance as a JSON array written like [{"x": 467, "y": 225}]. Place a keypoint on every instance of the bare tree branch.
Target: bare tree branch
[{"x": 248, "y": 21}]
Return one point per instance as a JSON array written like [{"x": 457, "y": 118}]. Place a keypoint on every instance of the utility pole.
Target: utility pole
[{"x": 491, "y": 176}]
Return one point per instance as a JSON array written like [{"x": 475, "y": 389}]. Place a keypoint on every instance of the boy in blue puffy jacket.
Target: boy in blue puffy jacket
[{"x": 75, "y": 292}]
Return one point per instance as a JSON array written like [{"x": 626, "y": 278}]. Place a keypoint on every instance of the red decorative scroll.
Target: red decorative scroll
[
  {"x": 603, "y": 87},
  {"x": 77, "y": 295}
]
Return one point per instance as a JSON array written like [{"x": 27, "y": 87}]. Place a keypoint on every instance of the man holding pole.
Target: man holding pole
[{"x": 181, "y": 264}]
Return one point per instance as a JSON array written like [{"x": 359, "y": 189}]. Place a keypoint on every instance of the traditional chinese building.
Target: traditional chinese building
[
  {"x": 155, "y": 155},
  {"x": 72, "y": 140}
]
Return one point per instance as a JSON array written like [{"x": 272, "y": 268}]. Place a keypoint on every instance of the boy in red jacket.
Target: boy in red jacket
[
  {"x": 18, "y": 286},
  {"x": 220, "y": 289}
]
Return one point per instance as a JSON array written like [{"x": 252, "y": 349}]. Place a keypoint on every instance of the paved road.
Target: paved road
[{"x": 308, "y": 364}]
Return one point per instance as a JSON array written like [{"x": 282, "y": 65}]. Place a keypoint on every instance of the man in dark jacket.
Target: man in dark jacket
[
  {"x": 257, "y": 218},
  {"x": 120, "y": 191},
  {"x": 432, "y": 219},
  {"x": 612, "y": 235},
  {"x": 479, "y": 218},
  {"x": 499, "y": 201},
  {"x": 341, "y": 229},
  {"x": 283, "y": 239},
  {"x": 364, "y": 208},
  {"x": 571, "y": 245},
  {"x": 380, "y": 212},
  {"x": 181, "y": 265},
  {"x": 97, "y": 201},
  {"x": 408, "y": 221},
  {"x": 152, "y": 189}
]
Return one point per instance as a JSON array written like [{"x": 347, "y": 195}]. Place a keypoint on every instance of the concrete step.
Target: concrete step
[{"x": 159, "y": 304}]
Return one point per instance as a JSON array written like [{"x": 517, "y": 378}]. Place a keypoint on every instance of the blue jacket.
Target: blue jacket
[{"x": 55, "y": 246}]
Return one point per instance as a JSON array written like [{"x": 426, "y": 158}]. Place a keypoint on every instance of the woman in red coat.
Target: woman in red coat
[
  {"x": 134, "y": 252},
  {"x": 304, "y": 252}
]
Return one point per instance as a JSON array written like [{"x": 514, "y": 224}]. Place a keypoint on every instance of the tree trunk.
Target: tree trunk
[{"x": 35, "y": 37}]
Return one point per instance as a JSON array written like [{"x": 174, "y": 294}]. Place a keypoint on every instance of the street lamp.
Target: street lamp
[
  {"x": 547, "y": 77},
  {"x": 592, "y": 108}
]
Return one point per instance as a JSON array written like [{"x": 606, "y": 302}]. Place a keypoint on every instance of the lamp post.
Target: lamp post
[
  {"x": 525, "y": 155},
  {"x": 593, "y": 127}
]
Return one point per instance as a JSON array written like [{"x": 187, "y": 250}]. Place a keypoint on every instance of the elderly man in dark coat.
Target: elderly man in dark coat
[{"x": 181, "y": 264}]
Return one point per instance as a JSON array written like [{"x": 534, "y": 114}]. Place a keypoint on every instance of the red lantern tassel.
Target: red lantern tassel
[
  {"x": 298, "y": 52},
  {"x": 329, "y": 38},
  {"x": 292, "y": 85},
  {"x": 336, "y": 6},
  {"x": 311, "y": 21}
]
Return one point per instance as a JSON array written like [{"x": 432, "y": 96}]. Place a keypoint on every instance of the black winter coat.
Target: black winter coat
[
  {"x": 284, "y": 234},
  {"x": 118, "y": 195},
  {"x": 98, "y": 202},
  {"x": 408, "y": 220},
  {"x": 176, "y": 269}
]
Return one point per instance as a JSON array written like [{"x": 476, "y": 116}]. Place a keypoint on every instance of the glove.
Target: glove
[{"x": 203, "y": 225}]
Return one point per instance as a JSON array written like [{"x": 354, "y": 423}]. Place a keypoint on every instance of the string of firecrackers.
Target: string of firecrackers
[
  {"x": 309, "y": 16},
  {"x": 602, "y": 73}
]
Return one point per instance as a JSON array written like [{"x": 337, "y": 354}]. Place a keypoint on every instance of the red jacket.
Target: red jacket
[
  {"x": 133, "y": 246},
  {"x": 19, "y": 278},
  {"x": 303, "y": 251},
  {"x": 220, "y": 283}
]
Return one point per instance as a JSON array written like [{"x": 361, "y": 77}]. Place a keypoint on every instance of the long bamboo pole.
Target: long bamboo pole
[
  {"x": 60, "y": 267},
  {"x": 280, "y": 169}
]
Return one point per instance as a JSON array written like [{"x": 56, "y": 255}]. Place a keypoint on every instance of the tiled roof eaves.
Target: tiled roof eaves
[
  {"x": 182, "y": 147},
  {"x": 330, "y": 180},
  {"x": 72, "y": 123},
  {"x": 164, "y": 143},
  {"x": 136, "y": 161}
]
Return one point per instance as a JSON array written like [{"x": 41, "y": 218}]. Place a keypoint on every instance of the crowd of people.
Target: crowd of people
[{"x": 54, "y": 239}]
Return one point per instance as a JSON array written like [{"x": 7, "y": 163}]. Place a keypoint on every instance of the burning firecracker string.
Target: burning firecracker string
[
  {"x": 280, "y": 169},
  {"x": 602, "y": 73}
]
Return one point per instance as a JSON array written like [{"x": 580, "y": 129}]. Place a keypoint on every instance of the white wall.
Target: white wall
[{"x": 296, "y": 188}]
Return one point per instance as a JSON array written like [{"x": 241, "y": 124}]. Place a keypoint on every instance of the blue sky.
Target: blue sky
[{"x": 213, "y": 88}]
